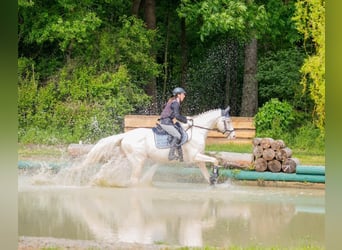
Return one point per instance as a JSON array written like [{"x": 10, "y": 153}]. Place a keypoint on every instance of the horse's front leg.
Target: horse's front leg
[
  {"x": 201, "y": 159},
  {"x": 204, "y": 170}
]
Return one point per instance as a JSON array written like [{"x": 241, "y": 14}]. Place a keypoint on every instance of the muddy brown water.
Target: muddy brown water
[{"x": 173, "y": 213}]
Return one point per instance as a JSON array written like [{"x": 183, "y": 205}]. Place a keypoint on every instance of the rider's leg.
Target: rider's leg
[
  {"x": 172, "y": 155},
  {"x": 176, "y": 137},
  {"x": 180, "y": 153}
]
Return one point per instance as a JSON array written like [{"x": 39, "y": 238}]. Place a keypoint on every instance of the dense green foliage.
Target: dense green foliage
[
  {"x": 86, "y": 99},
  {"x": 274, "y": 118},
  {"x": 310, "y": 21},
  {"x": 238, "y": 18},
  {"x": 83, "y": 66},
  {"x": 279, "y": 76},
  {"x": 279, "y": 120}
]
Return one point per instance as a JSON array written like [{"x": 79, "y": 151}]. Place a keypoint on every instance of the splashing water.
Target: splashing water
[{"x": 114, "y": 171}]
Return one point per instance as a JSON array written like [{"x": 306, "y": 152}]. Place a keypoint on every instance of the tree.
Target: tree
[
  {"x": 236, "y": 19},
  {"x": 78, "y": 79},
  {"x": 310, "y": 21},
  {"x": 149, "y": 7},
  {"x": 249, "y": 104}
]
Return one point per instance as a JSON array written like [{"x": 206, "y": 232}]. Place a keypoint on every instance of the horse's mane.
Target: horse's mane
[{"x": 206, "y": 112}]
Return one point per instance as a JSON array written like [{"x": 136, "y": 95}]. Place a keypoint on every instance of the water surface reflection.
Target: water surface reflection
[{"x": 175, "y": 214}]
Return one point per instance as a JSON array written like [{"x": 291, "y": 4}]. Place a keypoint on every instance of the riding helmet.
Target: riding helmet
[{"x": 178, "y": 90}]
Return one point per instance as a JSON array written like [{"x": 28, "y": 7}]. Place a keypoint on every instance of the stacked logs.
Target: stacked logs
[{"x": 273, "y": 155}]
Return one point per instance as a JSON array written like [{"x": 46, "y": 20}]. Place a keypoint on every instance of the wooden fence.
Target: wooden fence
[{"x": 244, "y": 128}]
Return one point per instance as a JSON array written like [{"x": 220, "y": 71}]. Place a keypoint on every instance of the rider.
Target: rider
[{"x": 171, "y": 111}]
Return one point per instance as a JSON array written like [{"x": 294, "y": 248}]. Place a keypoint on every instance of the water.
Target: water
[
  {"x": 173, "y": 213},
  {"x": 90, "y": 199}
]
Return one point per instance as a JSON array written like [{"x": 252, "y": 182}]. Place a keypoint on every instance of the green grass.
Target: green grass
[{"x": 306, "y": 157}]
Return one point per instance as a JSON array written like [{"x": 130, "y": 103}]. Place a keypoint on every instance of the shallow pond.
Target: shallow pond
[{"x": 173, "y": 213}]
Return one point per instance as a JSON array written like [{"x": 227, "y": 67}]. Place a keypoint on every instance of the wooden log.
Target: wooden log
[
  {"x": 266, "y": 142},
  {"x": 277, "y": 145},
  {"x": 233, "y": 160},
  {"x": 268, "y": 154},
  {"x": 260, "y": 165},
  {"x": 274, "y": 166},
  {"x": 257, "y": 152},
  {"x": 240, "y": 133},
  {"x": 256, "y": 142},
  {"x": 283, "y": 154},
  {"x": 290, "y": 165},
  {"x": 76, "y": 150}
]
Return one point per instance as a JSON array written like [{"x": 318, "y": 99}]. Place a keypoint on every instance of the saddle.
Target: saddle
[{"x": 163, "y": 140}]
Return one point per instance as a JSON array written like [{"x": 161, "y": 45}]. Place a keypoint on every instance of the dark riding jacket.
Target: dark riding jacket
[{"x": 172, "y": 110}]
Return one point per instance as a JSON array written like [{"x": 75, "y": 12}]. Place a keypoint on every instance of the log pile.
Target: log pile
[{"x": 273, "y": 155}]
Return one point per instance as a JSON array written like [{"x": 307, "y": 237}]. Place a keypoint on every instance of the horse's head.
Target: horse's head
[{"x": 224, "y": 124}]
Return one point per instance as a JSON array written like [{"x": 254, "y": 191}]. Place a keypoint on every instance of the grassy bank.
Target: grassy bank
[
  {"x": 306, "y": 157},
  {"x": 46, "y": 152}
]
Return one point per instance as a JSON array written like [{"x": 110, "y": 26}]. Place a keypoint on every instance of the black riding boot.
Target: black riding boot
[
  {"x": 172, "y": 155},
  {"x": 180, "y": 153}
]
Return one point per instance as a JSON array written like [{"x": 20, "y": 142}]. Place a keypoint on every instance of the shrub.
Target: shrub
[
  {"x": 274, "y": 118},
  {"x": 308, "y": 137}
]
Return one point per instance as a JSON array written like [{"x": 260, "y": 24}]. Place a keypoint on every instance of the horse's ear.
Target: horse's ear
[{"x": 226, "y": 111}]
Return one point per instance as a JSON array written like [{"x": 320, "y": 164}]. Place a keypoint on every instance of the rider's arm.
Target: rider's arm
[{"x": 175, "y": 107}]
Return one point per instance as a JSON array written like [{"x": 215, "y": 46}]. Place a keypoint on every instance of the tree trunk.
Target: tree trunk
[
  {"x": 166, "y": 54},
  {"x": 232, "y": 89},
  {"x": 249, "y": 104},
  {"x": 150, "y": 14},
  {"x": 151, "y": 87},
  {"x": 135, "y": 7},
  {"x": 184, "y": 53}
]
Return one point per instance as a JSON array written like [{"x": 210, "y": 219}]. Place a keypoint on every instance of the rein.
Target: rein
[{"x": 211, "y": 129}]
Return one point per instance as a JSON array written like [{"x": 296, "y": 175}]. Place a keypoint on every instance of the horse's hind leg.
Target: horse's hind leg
[
  {"x": 137, "y": 165},
  {"x": 148, "y": 175}
]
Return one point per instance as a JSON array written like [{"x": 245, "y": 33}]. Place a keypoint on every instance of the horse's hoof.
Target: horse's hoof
[{"x": 213, "y": 180}]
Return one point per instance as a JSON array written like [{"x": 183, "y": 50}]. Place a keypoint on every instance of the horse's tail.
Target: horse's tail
[{"x": 104, "y": 149}]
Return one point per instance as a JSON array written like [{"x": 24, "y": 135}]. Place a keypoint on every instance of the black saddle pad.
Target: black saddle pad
[{"x": 162, "y": 139}]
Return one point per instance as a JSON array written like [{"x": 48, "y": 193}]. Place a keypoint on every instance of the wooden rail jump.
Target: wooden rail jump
[{"x": 244, "y": 128}]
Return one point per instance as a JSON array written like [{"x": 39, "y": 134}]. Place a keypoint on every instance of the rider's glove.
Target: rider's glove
[{"x": 190, "y": 122}]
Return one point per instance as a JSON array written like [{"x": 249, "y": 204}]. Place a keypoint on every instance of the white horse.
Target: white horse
[{"x": 138, "y": 145}]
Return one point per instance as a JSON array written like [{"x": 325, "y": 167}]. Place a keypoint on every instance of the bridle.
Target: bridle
[{"x": 212, "y": 129}]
